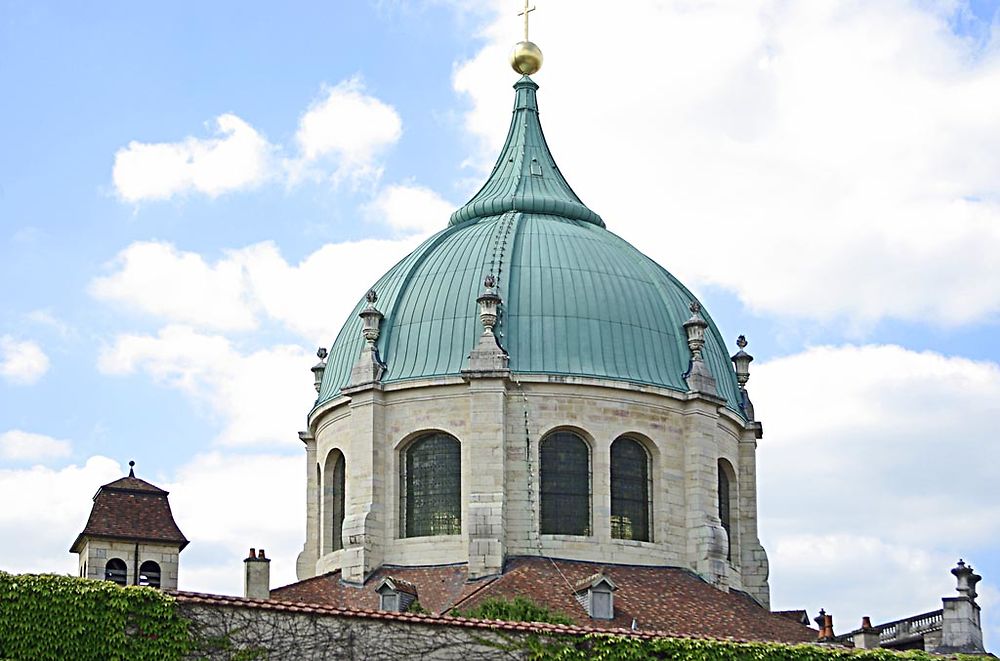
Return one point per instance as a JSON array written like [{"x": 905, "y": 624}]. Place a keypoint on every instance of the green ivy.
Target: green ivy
[
  {"x": 625, "y": 648},
  {"x": 517, "y": 610},
  {"x": 62, "y": 617}
]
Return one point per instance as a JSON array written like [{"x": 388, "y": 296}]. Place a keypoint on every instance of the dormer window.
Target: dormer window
[
  {"x": 395, "y": 595},
  {"x": 596, "y": 594}
]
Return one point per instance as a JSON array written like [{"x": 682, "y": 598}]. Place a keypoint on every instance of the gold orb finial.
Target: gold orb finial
[{"x": 526, "y": 58}]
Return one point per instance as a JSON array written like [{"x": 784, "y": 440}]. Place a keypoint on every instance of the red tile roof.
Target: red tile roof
[
  {"x": 668, "y": 600},
  {"x": 272, "y": 604},
  {"x": 437, "y": 588},
  {"x": 131, "y": 509}
]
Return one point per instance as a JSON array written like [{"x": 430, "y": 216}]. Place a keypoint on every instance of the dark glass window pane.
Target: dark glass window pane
[
  {"x": 431, "y": 486},
  {"x": 724, "y": 514},
  {"x": 565, "y": 484},
  {"x": 629, "y": 490},
  {"x": 333, "y": 501}
]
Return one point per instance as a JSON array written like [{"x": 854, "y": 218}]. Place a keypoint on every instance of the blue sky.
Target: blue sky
[{"x": 822, "y": 174}]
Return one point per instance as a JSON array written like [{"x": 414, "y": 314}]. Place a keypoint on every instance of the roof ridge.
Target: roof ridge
[{"x": 525, "y": 177}]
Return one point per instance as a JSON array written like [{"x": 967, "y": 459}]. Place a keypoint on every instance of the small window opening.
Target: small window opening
[
  {"x": 116, "y": 571},
  {"x": 149, "y": 574}
]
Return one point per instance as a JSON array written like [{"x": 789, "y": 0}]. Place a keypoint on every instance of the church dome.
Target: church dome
[{"x": 577, "y": 300}]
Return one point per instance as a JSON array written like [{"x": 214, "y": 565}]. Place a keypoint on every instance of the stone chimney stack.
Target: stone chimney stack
[
  {"x": 257, "y": 575},
  {"x": 868, "y": 636},
  {"x": 961, "y": 630}
]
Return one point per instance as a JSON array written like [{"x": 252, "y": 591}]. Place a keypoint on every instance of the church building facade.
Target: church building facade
[{"x": 527, "y": 383}]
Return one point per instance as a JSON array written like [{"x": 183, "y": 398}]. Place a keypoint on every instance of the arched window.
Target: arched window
[
  {"x": 726, "y": 496},
  {"x": 149, "y": 574},
  {"x": 564, "y": 474},
  {"x": 629, "y": 490},
  {"x": 116, "y": 571},
  {"x": 333, "y": 501},
  {"x": 430, "y": 486}
]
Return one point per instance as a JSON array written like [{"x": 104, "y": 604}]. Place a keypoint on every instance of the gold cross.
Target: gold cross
[{"x": 525, "y": 14}]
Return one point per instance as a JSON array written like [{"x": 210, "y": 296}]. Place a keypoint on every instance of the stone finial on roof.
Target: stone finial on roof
[
  {"x": 131, "y": 468},
  {"x": 369, "y": 367},
  {"x": 488, "y": 356},
  {"x": 698, "y": 376},
  {"x": 741, "y": 360},
  {"x": 319, "y": 368},
  {"x": 967, "y": 579}
]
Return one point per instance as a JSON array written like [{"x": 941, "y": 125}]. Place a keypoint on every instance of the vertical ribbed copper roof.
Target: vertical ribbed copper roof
[
  {"x": 577, "y": 299},
  {"x": 525, "y": 177}
]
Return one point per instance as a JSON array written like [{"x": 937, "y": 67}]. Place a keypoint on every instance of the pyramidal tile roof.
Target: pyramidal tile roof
[
  {"x": 525, "y": 177},
  {"x": 134, "y": 510}
]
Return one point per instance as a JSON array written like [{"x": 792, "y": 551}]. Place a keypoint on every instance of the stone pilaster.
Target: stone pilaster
[
  {"x": 753, "y": 559},
  {"x": 364, "y": 520},
  {"x": 305, "y": 565},
  {"x": 484, "y": 452},
  {"x": 707, "y": 542}
]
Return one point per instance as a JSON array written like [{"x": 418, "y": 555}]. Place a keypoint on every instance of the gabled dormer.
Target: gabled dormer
[
  {"x": 395, "y": 595},
  {"x": 596, "y": 594}
]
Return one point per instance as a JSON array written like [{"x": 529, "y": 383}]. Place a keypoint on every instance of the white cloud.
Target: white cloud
[
  {"x": 259, "y": 397},
  {"x": 45, "y": 509},
  {"x": 22, "y": 361},
  {"x": 17, "y": 445},
  {"x": 238, "y": 158},
  {"x": 819, "y": 161},
  {"x": 227, "y": 503},
  {"x": 350, "y": 127},
  {"x": 875, "y": 474},
  {"x": 223, "y": 503},
  {"x": 157, "y": 278},
  {"x": 410, "y": 208},
  {"x": 235, "y": 292}
]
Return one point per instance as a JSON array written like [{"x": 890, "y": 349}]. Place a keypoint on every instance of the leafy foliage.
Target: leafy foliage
[
  {"x": 517, "y": 610},
  {"x": 61, "y": 617},
  {"x": 626, "y": 648}
]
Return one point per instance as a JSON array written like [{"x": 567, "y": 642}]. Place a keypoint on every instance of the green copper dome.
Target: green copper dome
[{"x": 577, "y": 299}]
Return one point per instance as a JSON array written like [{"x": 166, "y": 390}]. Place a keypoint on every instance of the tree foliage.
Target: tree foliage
[
  {"x": 517, "y": 610},
  {"x": 61, "y": 617},
  {"x": 627, "y": 648}
]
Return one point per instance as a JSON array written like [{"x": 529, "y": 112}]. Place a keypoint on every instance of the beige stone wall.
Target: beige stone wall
[
  {"x": 500, "y": 422},
  {"x": 94, "y": 556}
]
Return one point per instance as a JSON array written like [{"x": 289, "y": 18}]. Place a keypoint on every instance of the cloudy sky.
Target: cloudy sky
[{"x": 193, "y": 196}]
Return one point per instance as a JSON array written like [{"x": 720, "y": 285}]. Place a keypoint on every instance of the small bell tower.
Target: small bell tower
[{"x": 131, "y": 537}]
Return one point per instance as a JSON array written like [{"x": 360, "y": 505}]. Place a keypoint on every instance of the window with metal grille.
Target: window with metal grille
[
  {"x": 564, "y": 476},
  {"x": 333, "y": 500},
  {"x": 430, "y": 486},
  {"x": 724, "y": 505},
  {"x": 116, "y": 570},
  {"x": 149, "y": 574},
  {"x": 629, "y": 490}
]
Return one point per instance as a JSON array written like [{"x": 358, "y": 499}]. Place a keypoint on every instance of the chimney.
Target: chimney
[
  {"x": 825, "y": 622},
  {"x": 257, "y": 575},
  {"x": 867, "y": 637}
]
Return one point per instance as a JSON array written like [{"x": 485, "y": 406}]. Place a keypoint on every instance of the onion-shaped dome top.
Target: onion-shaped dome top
[{"x": 577, "y": 299}]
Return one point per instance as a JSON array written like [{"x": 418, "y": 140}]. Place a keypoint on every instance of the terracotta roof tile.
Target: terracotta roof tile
[
  {"x": 669, "y": 600},
  {"x": 131, "y": 508}
]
